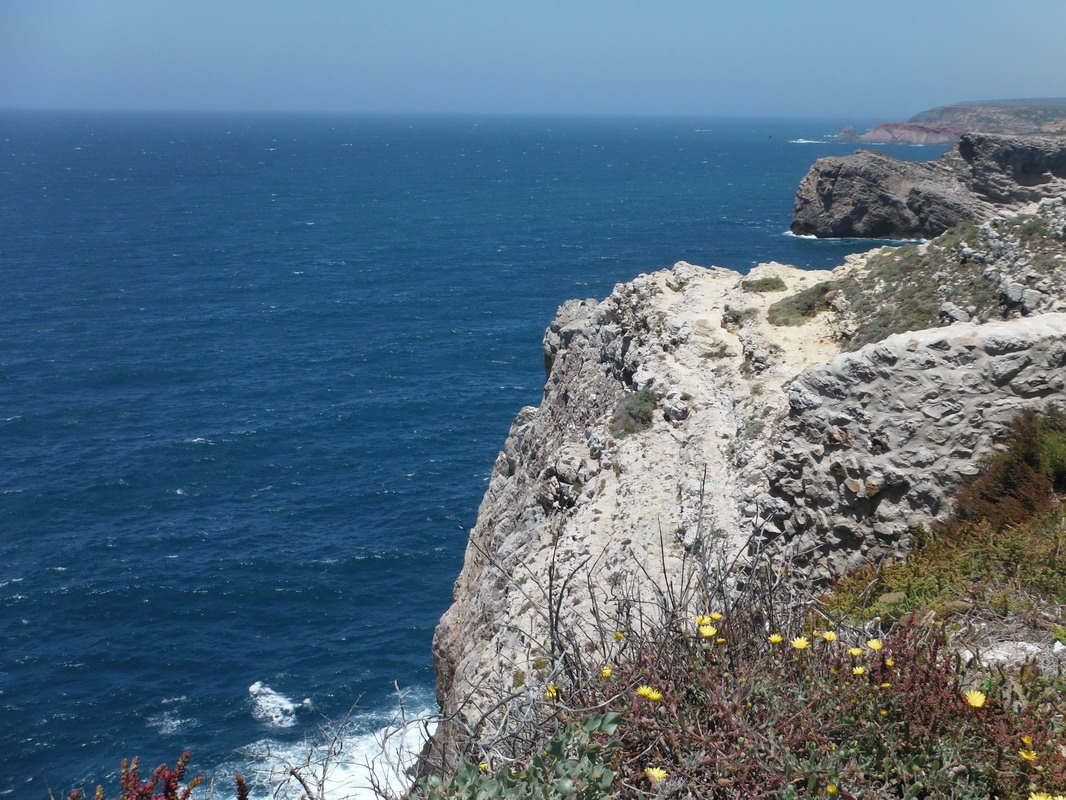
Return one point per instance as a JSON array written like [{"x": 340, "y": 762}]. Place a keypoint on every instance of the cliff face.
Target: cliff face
[
  {"x": 872, "y": 195},
  {"x": 760, "y": 439},
  {"x": 572, "y": 495}
]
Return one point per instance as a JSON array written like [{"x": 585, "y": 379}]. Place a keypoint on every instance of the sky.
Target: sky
[{"x": 834, "y": 58}]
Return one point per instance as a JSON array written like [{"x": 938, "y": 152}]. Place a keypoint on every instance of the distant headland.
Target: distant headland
[{"x": 945, "y": 124}]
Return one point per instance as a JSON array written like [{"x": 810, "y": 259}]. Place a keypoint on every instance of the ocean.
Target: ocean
[{"x": 254, "y": 372}]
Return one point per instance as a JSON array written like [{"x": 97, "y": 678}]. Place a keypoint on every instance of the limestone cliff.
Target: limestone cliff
[
  {"x": 759, "y": 438},
  {"x": 870, "y": 194}
]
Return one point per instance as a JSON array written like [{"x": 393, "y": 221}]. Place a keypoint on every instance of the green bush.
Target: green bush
[
  {"x": 763, "y": 285},
  {"x": 573, "y": 765},
  {"x": 634, "y": 413},
  {"x": 801, "y": 307},
  {"x": 1020, "y": 481},
  {"x": 735, "y": 317}
]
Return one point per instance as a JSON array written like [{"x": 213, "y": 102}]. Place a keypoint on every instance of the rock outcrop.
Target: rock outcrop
[
  {"x": 876, "y": 440},
  {"x": 873, "y": 195},
  {"x": 749, "y": 441}
]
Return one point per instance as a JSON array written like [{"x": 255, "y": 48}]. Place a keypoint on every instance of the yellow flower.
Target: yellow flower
[
  {"x": 855, "y": 651},
  {"x": 551, "y": 693},
  {"x": 875, "y": 644},
  {"x": 655, "y": 774},
  {"x": 650, "y": 693},
  {"x": 831, "y": 789},
  {"x": 830, "y": 636},
  {"x": 606, "y": 670},
  {"x": 483, "y": 767},
  {"x": 884, "y": 713},
  {"x": 858, "y": 671},
  {"x": 775, "y": 638},
  {"x": 716, "y": 616},
  {"x": 890, "y": 662},
  {"x": 975, "y": 698},
  {"x": 702, "y": 620},
  {"x": 708, "y": 631},
  {"x": 1027, "y": 741},
  {"x": 619, "y": 635},
  {"x": 1040, "y": 796},
  {"x": 1027, "y": 755},
  {"x": 720, "y": 640},
  {"x": 801, "y": 642},
  {"x": 886, "y": 685}
]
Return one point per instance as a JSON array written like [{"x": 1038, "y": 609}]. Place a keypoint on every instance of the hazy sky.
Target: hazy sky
[{"x": 840, "y": 58}]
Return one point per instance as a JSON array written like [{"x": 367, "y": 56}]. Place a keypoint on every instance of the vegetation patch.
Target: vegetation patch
[
  {"x": 711, "y": 709},
  {"x": 634, "y": 413},
  {"x": 733, "y": 318},
  {"x": 801, "y": 307},
  {"x": 763, "y": 285}
]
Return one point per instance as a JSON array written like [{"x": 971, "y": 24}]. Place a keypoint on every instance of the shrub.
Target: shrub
[
  {"x": 1020, "y": 481},
  {"x": 574, "y": 764},
  {"x": 633, "y": 413},
  {"x": 707, "y": 711},
  {"x": 735, "y": 317},
  {"x": 763, "y": 285},
  {"x": 801, "y": 307}
]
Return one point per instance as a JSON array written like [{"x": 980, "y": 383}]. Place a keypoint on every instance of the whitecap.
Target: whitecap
[
  {"x": 274, "y": 708},
  {"x": 809, "y": 141},
  {"x": 169, "y": 722}
]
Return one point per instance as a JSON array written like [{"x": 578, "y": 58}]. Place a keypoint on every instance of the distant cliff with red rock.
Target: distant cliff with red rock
[{"x": 945, "y": 124}]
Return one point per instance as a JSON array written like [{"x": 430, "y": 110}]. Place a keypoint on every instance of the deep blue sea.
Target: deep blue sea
[{"x": 254, "y": 372}]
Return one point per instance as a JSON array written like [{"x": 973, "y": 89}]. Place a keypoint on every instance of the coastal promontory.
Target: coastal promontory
[
  {"x": 945, "y": 124},
  {"x": 873, "y": 195}
]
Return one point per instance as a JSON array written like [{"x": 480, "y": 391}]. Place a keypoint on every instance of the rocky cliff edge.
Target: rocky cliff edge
[{"x": 758, "y": 438}]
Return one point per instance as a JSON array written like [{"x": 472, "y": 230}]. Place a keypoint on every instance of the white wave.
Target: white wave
[
  {"x": 808, "y": 141},
  {"x": 274, "y": 708},
  {"x": 168, "y": 722},
  {"x": 347, "y": 768},
  {"x": 873, "y": 242}
]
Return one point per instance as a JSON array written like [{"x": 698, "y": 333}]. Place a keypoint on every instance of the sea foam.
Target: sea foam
[
  {"x": 363, "y": 758},
  {"x": 274, "y": 708}
]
